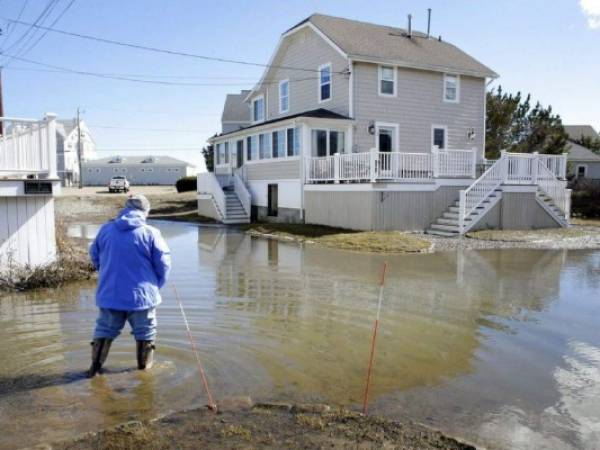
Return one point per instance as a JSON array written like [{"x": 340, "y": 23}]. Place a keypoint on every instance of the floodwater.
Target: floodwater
[{"x": 500, "y": 347}]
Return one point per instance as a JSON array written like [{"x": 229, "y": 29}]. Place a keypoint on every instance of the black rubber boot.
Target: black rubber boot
[
  {"x": 145, "y": 354},
  {"x": 100, "y": 349}
]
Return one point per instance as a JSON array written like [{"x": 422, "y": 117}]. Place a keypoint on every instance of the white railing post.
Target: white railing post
[
  {"x": 534, "y": 168},
  {"x": 372, "y": 165},
  {"x": 567, "y": 211},
  {"x": 504, "y": 159},
  {"x": 474, "y": 162},
  {"x": 562, "y": 173},
  {"x": 51, "y": 142},
  {"x": 462, "y": 211},
  {"x": 435, "y": 158},
  {"x": 336, "y": 168}
]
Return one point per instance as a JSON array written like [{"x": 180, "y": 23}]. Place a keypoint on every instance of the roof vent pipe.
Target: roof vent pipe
[
  {"x": 409, "y": 26},
  {"x": 428, "y": 22}
]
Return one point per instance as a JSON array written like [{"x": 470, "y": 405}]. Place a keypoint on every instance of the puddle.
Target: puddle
[{"x": 498, "y": 346}]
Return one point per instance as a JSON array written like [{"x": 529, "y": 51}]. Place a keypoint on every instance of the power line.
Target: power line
[
  {"x": 149, "y": 150},
  {"x": 170, "y": 130},
  {"x": 11, "y": 29},
  {"x": 59, "y": 69},
  {"x": 159, "y": 50}
]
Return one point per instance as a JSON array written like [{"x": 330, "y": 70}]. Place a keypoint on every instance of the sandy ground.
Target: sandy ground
[
  {"x": 103, "y": 191},
  {"x": 268, "y": 426}
]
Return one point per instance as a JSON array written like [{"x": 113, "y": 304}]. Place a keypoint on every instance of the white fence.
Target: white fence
[
  {"x": 242, "y": 193},
  {"x": 28, "y": 147},
  {"x": 209, "y": 184},
  {"x": 375, "y": 166}
]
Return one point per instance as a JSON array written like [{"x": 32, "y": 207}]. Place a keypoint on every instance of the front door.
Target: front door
[
  {"x": 272, "y": 200},
  {"x": 239, "y": 153}
]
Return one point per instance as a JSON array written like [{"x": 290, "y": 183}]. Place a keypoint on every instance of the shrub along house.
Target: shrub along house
[{"x": 372, "y": 127}]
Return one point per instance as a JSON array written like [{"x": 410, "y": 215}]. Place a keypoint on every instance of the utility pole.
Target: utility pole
[
  {"x": 79, "y": 147},
  {"x": 1, "y": 105}
]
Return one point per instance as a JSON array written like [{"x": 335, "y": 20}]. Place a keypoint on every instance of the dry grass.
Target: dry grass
[
  {"x": 365, "y": 241},
  {"x": 585, "y": 222},
  {"x": 528, "y": 235}
]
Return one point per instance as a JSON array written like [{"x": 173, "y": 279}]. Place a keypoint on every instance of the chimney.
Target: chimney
[
  {"x": 428, "y": 22},
  {"x": 409, "y": 35}
]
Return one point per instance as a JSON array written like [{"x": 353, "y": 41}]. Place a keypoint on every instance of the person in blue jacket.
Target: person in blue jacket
[{"x": 133, "y": 262}]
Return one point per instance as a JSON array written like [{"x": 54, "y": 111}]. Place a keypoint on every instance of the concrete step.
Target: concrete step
[
  {"x": 443, "y": 221},
  {"x": 447, "y": 228},
  {"x": 441, "y": 233}
]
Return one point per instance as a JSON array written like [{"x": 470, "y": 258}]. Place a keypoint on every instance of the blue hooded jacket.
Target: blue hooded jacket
[{"x": 133, "y": 262}]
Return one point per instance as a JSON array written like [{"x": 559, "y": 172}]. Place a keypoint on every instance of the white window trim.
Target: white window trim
[
  {"x": 396, "y": 128},
  {"x": 380, "y": 79},
  {"x": 585, "y": 170},
  {"x": 281, "y": 110},
  {"x": 272, "y": 158},
  {"x": 321, "y": 67},
  {"x": 254, "y": 100},
  {"x": 457, "y": 99},
  {"x": 445, "y": 128}
]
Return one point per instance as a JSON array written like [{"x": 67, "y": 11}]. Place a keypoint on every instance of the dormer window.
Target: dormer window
[
  {"x": 258, "y": 109},
  {"x": 451, "y": 88},
  {"x": 325, "y": 82}
]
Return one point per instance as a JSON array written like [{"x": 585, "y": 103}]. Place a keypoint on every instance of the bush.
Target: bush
[
  {"x": 186, "y": 184},
  {"x": 585, "y": 199}
]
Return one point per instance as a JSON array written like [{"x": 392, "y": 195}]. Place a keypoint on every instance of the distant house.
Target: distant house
[
  {"x": 583, "y": 162},
  {"x": 373, "y": 127},
  {"x": 67, "y": 149},
  {"x": 139, "y": 170}
]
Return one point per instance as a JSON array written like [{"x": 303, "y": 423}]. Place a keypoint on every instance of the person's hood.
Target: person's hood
[{"x": 130, "y": 218}]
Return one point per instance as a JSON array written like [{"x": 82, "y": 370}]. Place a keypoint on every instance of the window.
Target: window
[
  {"x": 226, "y": 152},
  {"x": 252, "y": 148},
  {"x": 438, "y": 136},
  {"x": 451, "y": 88},
  {"x": 264, "y": 146},
  {"x": 284, "y": 96},
  {"x": 325, "y": 82},
  {"x": 581, "y": 171},
  {"x": 387, "y": 81},
  {"x": 327, "y": 142},
  {"x": 293, "y": 141},
  {"x": 279, "y": 144},
  {"x": 386, "y": 137},
  {"x": 258, "y": 109}
]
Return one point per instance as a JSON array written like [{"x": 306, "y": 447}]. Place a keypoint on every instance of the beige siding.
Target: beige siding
[
  {"x": 305, "y": 49},
  {"x": 370, "y": 210},
  {"x": 27, "y": 231},
  {"x": 516, "y": 211},
  {"x": 417, "y": 106},
  {"x": 275, "y": 170}
]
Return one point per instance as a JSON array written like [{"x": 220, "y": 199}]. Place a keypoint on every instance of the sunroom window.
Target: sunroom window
[
  {"x": 264, "y": 143},
  {"x": 327, "y": 142},
  {"x": 279, "y": 144},
  {"x": 293, "y": 141}
]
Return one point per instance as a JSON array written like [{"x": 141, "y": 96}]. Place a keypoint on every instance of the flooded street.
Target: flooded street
[{"x": 501, "y": 347}]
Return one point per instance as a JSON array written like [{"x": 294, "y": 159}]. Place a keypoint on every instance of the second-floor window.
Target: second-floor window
[
  {"x": 387, "y": 80},
  {"x": 258, "y": 109},
  {"x": 325, "y": 82},
  {"x": 284, "y": 96},
  {"x": 451, "y": 88}
]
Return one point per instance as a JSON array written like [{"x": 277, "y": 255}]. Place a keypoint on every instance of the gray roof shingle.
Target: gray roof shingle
[
  {"x": 389, "y": 44},
  {"x": 235, "y": 109},
  {"x": 577, "y": 131},
  {"x": 580, "y": 153}
]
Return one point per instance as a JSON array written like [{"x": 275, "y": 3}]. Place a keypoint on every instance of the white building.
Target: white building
[
  {"x": 139, "y": 170},
  {"x": 67, "y": 148},
  {"x": 28, "y": 184}
]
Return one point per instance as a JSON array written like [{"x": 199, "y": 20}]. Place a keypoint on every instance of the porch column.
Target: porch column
[
  {"x": 534, "y": 168},
  {"x": 435, "y": 160},
  {"x": 336, "y": 168},
  {"x": 51, "y": 143},
  {"x": 373, "y": 165}
]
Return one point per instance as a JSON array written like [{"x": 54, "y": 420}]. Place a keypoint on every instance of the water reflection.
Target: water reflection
[{"x": 500, "y": 347}]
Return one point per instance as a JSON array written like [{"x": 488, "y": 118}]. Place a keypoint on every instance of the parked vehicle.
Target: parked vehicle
[{"x": 117, "y": 184}]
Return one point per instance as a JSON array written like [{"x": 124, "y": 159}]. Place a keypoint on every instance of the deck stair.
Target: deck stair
[
  {"x": 448, "y": 224},
  {"x": 234, "y": 210}
]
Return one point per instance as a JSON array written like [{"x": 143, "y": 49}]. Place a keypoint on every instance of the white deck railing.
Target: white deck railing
[
  {"x": 376, "y": 166},
  {"x": 28, "y": 146},
  {"x": 242, "y": 192},
  {"x": 544, "y": 171},
  {"x": 209, "y": 184}
]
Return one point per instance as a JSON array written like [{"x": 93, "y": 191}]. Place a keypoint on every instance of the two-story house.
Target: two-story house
[{"x": 365, "y": 126}]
